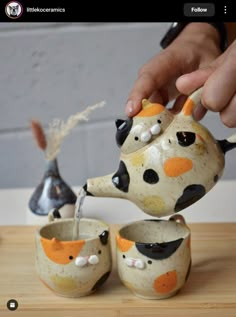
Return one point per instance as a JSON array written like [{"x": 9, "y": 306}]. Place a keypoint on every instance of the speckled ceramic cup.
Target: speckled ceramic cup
[
  {"x": 73, "y": 268},
  {"x": 153, "y": 256}
]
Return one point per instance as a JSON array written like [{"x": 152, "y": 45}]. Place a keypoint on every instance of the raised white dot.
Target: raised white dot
[
  {"x": 93, "y": 259},
  {"x": 155, "y": 129},
  {"x": 145, "y": 136},
  {"x": 80, "y": 261},
  {"x": 129, "y": 262},
  {"x": 139, "y": 264}
]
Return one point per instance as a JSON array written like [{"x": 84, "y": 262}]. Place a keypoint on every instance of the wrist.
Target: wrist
[
  {"x": 195, "y": 31},
  {"x": 200, "y": 32}
]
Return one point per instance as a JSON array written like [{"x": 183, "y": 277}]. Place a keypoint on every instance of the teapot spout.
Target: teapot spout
[{"x": 102, "y": 187}]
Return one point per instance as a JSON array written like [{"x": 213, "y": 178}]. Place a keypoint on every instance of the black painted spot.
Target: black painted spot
[
  {"x": 71, "y": 257},
  {"x": 123, "y": 256},
  {"x": 123, "y": 129},
  {"x": 226, "y": 145},
  {"x": 216, "y": 178},
  {"x": 56, "y": 214},
  {"x": 121, "y": 178},
  {"x": 191, "y": 194},
  {"x": 149, "y": 262},
  {"x": 119, "y": 123},
  {"x": 156, "y": 220},
  {"x": 158, "y": 251},
  {"x": 101, "y": 281},
  {"x": 150, "y": 176},
  {"x": 159, "y": 121},
  {"x": 87, "y": 192},
  {"x": 136, "y": 138},
  {"x": 189, "y": 270},
  {"x": 104, "y": 237},
  {"x": 185, "y": 138},
  {"x": 99, "y": 251}
]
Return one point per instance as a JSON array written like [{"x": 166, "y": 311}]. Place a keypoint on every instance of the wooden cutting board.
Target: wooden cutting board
[{"x": 210, "y": 290}]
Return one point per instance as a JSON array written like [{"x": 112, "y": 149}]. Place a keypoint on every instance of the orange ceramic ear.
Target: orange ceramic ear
[
  {"x": 150, "y": 109},
  {"x": 123, "y": 244},
  {"x": 61, "y": 252},
  {"x": 188, "y": 107}
]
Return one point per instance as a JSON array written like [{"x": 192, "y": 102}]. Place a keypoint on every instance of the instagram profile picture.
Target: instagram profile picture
[{"x": 13, "y": 9}]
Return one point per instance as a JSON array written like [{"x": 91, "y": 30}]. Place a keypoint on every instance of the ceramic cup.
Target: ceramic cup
[
  {"x": 73, "y": 268},
  {"x": 153, "y": 256}
]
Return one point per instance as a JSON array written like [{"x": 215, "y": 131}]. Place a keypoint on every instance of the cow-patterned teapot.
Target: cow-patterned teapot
[{"x": 167, "y": 161}]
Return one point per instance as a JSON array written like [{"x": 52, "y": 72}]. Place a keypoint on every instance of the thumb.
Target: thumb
[{"x": 187, "y": 83}]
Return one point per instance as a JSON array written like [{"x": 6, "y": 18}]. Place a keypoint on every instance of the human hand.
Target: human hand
[
  {"x": 195, "y": 47},
  {"x": 219, "y": 87}
]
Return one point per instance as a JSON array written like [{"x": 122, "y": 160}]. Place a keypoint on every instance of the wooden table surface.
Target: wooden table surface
[{"x": 210, "y": 290}]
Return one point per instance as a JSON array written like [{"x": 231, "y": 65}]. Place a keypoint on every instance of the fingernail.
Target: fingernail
[{"x": 129, "y": 107}]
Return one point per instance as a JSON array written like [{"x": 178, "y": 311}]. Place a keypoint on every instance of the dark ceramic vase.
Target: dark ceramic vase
[{"x": 52, "y": 193}]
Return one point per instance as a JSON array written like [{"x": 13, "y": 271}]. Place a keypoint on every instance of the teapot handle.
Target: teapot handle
[
  {"x": 53, "y": 215},
  {"x": 191, "y": 102},
  {"x": 187, "y": 110}
]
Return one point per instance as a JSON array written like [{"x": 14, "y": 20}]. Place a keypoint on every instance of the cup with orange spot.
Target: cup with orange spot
[
  {"x": 73, "y": 267},
  {"x": 154, "y": 256}
]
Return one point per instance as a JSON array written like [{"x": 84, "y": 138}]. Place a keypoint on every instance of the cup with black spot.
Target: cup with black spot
[{"x": 154, "y": 256}]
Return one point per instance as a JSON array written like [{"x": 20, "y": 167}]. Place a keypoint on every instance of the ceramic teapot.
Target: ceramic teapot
[{"x": 167, "y": 161}]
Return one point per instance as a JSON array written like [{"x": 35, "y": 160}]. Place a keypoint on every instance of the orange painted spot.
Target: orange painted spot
[
  {"x": 123, "y": 244},
  {"x": 166, "y": 283},
  {"x": 152, "y": 110},
  {"x": 188, "y": 107},
  {"x": 176, "y": 166},
  {"x": 61, "y": 252}
]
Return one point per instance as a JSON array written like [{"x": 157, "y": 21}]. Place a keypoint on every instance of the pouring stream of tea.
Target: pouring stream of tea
[{"x": 78, "y": 213}]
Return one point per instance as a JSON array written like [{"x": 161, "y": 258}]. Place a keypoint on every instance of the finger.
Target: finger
[
  {"x": 143, "y": 88},
  {"x": 220, "y": 87},
  {"x": 156, "y": 97},
  {"x": 199, "y": 112},
  {"x": 187, "y": 83},
  {"x": 179, "y": 102},
  {"x": 160, "y": 96},
  {"x": 228, "y": 114},
  {"x": 152, "y": 77}
]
